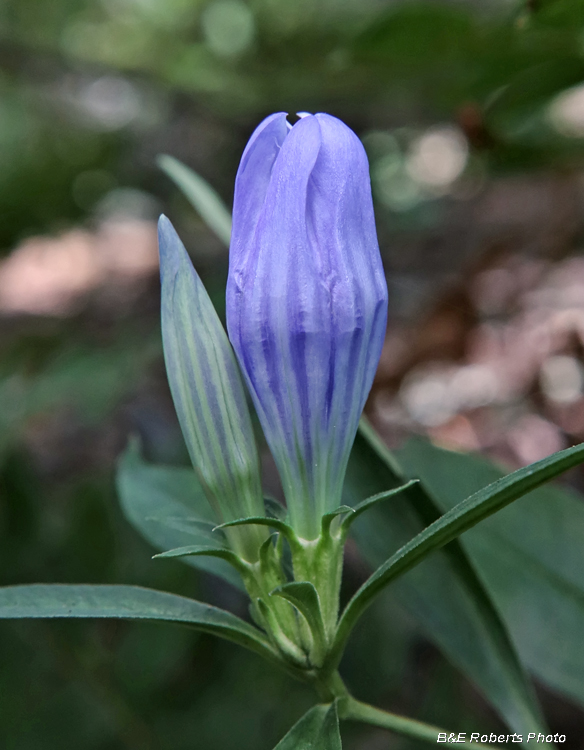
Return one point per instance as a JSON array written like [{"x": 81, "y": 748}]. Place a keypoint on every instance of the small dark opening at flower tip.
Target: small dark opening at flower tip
[{"x": 292, "y": 118}]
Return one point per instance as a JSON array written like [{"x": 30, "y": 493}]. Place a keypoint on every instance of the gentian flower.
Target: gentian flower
[{"x": 306, "y": 300}]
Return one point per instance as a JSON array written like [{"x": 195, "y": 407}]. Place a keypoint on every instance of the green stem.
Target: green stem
[
  {"x": 331, "y": 687},
  {"x": 354, "y": 710},
  {"x": 350, "y": 709}
]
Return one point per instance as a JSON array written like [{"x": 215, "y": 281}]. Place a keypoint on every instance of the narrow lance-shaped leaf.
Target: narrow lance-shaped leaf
[
  {"x": 196, "y": 550},
  {"x": 208, "y": 394},
  {"x": 201, "y": 195},
  {"x": 274, "y": 523},
  {"x": 128, "y": 603},
  {"x": 304, "y": 596},
  {"x": 318, "y": 729},
  {"x": 530, "y": 556},
  {"x": 167, "y": 505},
  {"x": 456, "y": 521},
  {"x": 444, "y": 594},
  {"x": 369, "y": 502}
]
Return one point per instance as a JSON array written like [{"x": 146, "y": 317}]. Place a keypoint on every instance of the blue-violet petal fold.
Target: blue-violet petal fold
[{"x": 306, "y": 300}]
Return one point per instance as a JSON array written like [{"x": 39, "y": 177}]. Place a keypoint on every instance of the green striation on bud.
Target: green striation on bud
[{"x": 208, "y": 396}]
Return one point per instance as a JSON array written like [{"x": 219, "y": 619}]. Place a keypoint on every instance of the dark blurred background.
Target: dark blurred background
[{"x": 472, "y": 113}]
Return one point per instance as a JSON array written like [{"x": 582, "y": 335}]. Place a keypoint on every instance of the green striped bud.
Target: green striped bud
[{"x": 208, "y": 395}]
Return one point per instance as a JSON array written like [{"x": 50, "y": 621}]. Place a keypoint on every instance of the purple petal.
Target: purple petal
[
  {"x": 253, "y": 178},
  {"x": 306, "y": 309}
]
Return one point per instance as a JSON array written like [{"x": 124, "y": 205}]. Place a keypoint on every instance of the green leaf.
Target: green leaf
[
  {"x": 327, "y": 519},
  {"x": 318, "y": 729},
  {"x": 459, "y": 519},
  {"x": 294, "y": 654},
  {"x": 530, "y": 556},
  {"x": 444, "y": 594},
  {"x": 196, "y": 550},
  {"x": 304, "y": 596},
  {"x": 370, "y": 502},
  {"x": 201, "y": 195},
  {"x": 156, "y": 500},
  {"x": 128, "y": 603},
  {"x": 274, "y": 523}
]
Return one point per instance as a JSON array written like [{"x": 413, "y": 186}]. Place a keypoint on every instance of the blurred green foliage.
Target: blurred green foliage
[
  {"x": 90, "y": 92},
  {"x": 91, "y": 84}
]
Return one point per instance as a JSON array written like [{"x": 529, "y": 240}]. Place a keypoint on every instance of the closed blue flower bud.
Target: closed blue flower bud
[{"x": 306, "y": 300}]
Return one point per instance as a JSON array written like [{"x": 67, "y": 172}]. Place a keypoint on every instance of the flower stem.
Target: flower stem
[
  {"x": 354, "y": 710},
  {"x": 350, "y": 709}
]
